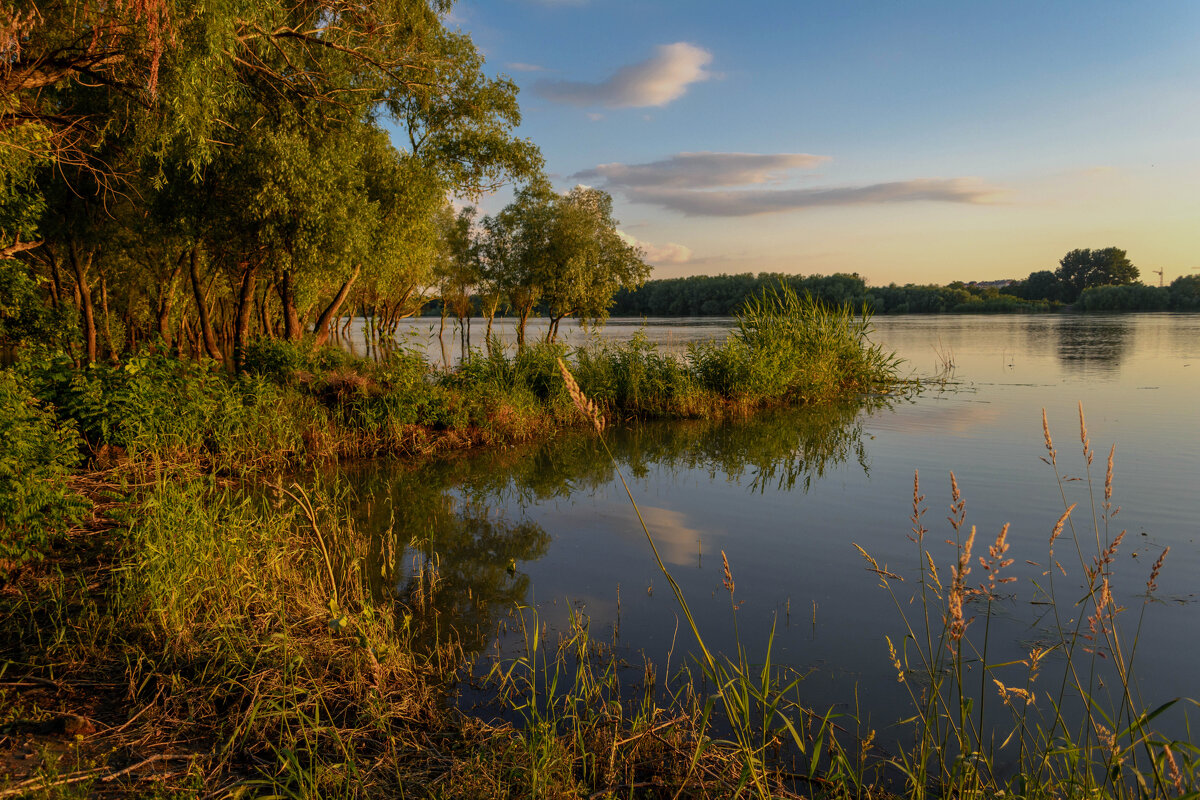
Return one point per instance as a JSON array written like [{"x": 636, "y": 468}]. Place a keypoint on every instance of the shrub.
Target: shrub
[
  {"x": 1127, "y": 297},
  {"x": 36, "y": 454}
]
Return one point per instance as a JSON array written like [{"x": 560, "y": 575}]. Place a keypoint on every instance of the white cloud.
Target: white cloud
[
  {"x": 594, "y": 117},
  {"x": 740, "y": 203},
  {"x": 702, "y": 170},
  {"x": 669, "y": 253},
  {"x": 521, "y": 66},
  {"x": 654, "y": 82}
]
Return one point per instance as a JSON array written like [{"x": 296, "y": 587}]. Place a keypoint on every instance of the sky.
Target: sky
[{"x": 914, "y": 142}]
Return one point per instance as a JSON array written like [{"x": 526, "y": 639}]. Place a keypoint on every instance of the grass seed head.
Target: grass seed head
[
  {"x": 1152, "y": 584},
  {"x": 586, "y": 407},
  {"x": 728, "y": 575}
]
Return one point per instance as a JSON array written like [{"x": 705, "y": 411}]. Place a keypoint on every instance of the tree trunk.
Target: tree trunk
[
  {"x": 292, "y": 329},
  {"x": 80, "y": 268},
  {"x": 264, "y": 319},
  {"x": 166, "y": 299},
  {"x": 524, "y": 316},
  {"x": 206, "y": 330},
  {"x": 108, "y": 340},
  {"x": 321, "y": 327},
  {"x": 55, "y": 281},
  {"x": 245, "y": 306}
]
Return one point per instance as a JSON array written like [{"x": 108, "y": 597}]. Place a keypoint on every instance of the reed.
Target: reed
[{"x": 1068, "y": 718}]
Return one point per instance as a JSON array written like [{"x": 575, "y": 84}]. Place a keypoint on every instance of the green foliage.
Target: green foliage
[
  {"x": 634, "y": 375},
  {"x": 723, "y": 295},
  {"x": 24, "y": 314},
  {"x": 287, "y": 362},
  {"x": 1130, "y": 297},
  {"x": 1040, "y": 285},
  {"x": 1082, "y": 269},
  {"x": 562, "y": 252},
  {"x": 789, "y": 347},
  {"x": 1185, "y": 293},
  {"x": 37, "y": 453},
  {"x": 158, "y": 406}
]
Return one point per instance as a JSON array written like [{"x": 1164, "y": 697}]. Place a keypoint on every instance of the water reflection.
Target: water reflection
[
  {"x": 453, "y": 538},
  {"x": 1093, "y": 344}
]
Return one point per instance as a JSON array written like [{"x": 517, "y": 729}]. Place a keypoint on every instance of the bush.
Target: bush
[
  {"x": 1185, "y": 293},
  {"x": 632, "y": 375},
  {"x": 1126, "y": 297},
  {"x": 37, "y": 453},
  {"x": 172, "y": 407}
]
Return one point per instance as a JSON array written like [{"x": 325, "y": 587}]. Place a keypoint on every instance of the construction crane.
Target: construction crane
[{"x": 1160, "y": 276}]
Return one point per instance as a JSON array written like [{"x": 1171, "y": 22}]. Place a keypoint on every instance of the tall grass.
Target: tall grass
[
  {"x": 792, "y": 347},
  {"x": 1065, "y": 720}
]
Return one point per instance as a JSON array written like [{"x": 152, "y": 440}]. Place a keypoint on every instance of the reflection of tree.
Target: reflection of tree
[
  {"x": 1093, "y": 344},
  {"x": 447, "y": 559},
  {"x": 785, "y": 447},
  {"x": 437, "y": 547},
  {"x": 466, "y": 573}
]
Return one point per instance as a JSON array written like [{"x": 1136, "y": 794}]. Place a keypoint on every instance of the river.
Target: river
[{"x": 788, "y": 495}]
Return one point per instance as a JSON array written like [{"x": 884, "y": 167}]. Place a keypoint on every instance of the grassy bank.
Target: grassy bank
[{"x": 166, "y": 626}]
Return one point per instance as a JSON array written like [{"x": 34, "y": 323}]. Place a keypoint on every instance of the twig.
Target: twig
[
  {"x": 144, "y": 762},
  {"x": 39, "y": 783}
]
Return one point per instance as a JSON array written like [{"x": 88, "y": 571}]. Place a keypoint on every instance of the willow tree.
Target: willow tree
[
  {"x": 207, "y": 114},
  {"x": 560, "y": 251},
  {"x": 587, "y": 259}
]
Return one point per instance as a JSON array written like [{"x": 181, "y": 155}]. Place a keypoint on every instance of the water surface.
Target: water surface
[{"x": 788, "y": 494}]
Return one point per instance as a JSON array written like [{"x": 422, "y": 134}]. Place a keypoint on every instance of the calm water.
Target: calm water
[{"x": 787, "y": 495}]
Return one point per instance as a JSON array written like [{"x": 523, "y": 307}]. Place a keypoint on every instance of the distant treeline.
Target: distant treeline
[{"x": 721, "y": 295}]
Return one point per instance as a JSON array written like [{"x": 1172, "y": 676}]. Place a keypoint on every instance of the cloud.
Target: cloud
[
  {"x": 741, "y": 203},
  {"x": 669, "y": 253},
  {"x": 701, "y": 170},
  {"x": 521, "y": 66},
  {"x": 654, "y": 82}
]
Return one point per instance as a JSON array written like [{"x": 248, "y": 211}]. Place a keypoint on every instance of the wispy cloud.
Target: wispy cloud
[
  {"x": 713, "y": 185},
  {"x": 669, "y": 253},
  {"x": 654, "y": 82},
  {"x": 746, "y": 202},
  {"x": 521, "y": 66},
  {"x": 702, "y": 170}
]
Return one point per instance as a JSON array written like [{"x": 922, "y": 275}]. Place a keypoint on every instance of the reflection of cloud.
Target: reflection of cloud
[
  {"x": 654, "y": 82},
  {"x": 669, "y": 253},
  {"x": 745, "y": 202},
  {"x": 677, "y": 543},
  {"x": 701, "y": 170}
]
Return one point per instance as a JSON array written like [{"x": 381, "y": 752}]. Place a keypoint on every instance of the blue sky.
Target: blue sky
[{"x": 904, "y": 141}]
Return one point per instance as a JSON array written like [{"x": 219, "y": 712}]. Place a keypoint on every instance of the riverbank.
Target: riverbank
[
  {"x": 199, "y": 609},
  {"x": 179, "y": 617}
]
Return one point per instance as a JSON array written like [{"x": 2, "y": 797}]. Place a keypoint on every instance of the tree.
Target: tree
[
  {"x": 562, "y": 251},
  {"x": 1082, "y": 269},
  {"x": 458, "y": 271},
  {"x": 588, "y": 261},
  {"x": 1040, "y": 285}
]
